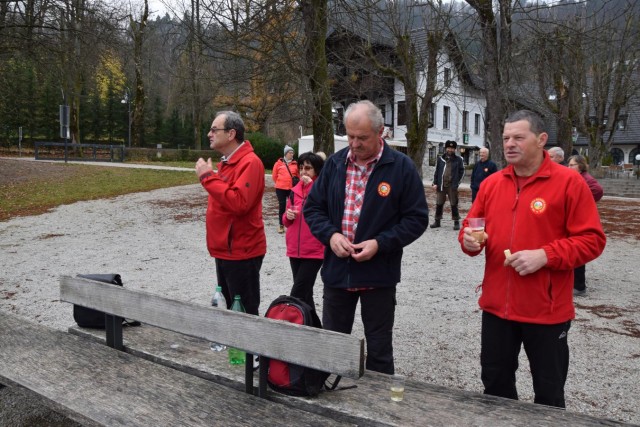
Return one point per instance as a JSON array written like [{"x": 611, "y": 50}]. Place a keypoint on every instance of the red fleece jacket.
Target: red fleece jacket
[
  {"x": 235, "y": 229},
  {"x": 554, "y": 211}
]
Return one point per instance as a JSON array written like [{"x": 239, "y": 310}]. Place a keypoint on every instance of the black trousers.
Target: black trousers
[
  {"x": 546, "y": 347},
  {"x": 242, "y": 278},
  {"x": 579, "y": 279},
  {"x": 282, "y": 202},
  {"x": 377, "y": 308},
  {"x": 474, "y": 193},
  {"x": 305, "y": 271}
]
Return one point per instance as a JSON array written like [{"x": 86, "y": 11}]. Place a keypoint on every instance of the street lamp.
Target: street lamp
[{"x": 127, "y": 100}]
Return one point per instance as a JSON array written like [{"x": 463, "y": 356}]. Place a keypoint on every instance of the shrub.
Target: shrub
[{"x": 268, "y": 149}]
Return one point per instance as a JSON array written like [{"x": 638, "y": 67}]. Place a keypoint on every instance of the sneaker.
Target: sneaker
[
  {"x": 579, "y": 292},
  {"x": 456, "y": 225},
  {"x": 281, "y": 229},
  {"x": 256, "y": 362}
]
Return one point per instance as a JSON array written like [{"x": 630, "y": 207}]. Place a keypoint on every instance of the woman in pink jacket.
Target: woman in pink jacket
[
  {"x": 579, "y": 164},
  {"x": 305, "y": 252}
]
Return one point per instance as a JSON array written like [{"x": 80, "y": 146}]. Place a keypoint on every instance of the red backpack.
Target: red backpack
[{"x": 287, "y": 378}]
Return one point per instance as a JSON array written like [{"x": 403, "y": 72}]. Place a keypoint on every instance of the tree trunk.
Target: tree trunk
[
  {"x": 315, "y": 24},
  {"x": 138, "y": 33}
]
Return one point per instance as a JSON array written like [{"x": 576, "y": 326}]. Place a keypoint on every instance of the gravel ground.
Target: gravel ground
[{"x": 155, "y": 240}]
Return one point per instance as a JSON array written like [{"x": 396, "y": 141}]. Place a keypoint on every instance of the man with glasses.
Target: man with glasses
[{"x": 235, "y": 228}]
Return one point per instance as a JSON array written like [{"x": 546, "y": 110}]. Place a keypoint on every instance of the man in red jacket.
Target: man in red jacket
[
  {"x": 540, "y": 223},
  {"x": 235, "y": 229}
]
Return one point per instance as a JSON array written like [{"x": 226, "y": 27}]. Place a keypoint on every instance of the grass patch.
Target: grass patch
[{"x": 31, "y": 192}]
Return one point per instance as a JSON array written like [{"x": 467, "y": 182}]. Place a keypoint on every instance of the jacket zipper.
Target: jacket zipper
[
  {"x": 300, "y": 221},
  {"x": 513, "y": 226}
]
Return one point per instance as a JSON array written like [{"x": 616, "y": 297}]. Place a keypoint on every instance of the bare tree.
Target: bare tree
[
  {"x": 416, "y": 35},
  {"x": 137, "y": 27},
  {"x": 612, "y": 81},
  {"x": 314, "y": 13},
  {"x": 497, "y": 44}
]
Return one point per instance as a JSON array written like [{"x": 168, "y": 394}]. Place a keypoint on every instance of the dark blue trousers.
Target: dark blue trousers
[{"x": 377, "y": 308}]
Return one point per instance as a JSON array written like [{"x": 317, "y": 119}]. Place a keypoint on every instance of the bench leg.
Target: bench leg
[
  {"x": 114, "y": 331},
  {"x": 248, "y": 373},
  {"x": 264, "y": 371}
]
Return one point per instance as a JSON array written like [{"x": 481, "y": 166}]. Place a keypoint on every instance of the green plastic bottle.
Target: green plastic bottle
[{"x": 237, "y": 357}]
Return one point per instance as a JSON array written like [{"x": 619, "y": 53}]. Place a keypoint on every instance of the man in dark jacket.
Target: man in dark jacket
[
  {"x": 481, "y": 170},
  {"x": 446, "y": 179},
  {"x": 366, "y": 205}
]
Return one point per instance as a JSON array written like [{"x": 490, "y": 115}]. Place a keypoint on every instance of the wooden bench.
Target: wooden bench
[
  {"x": 367, "y": 404},
  {"x": 99, "y": 386},
  {"x": 327, "y": 351}
]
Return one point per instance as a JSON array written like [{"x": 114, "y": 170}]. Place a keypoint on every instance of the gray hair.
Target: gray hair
[
  {"x": 233, "y": 121},
  {"x": 373, "y": 113},
  {"x": 536, "y": 125},
  {"x": 556, "y": 150}
]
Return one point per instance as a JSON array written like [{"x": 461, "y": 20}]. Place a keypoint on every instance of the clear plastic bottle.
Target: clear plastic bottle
[
  {"x": 237, "y": 357},
  {"x": 218, "y": 301}
]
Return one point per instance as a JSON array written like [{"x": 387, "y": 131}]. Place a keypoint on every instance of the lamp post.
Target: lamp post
[{"x": 127, "y": 100}]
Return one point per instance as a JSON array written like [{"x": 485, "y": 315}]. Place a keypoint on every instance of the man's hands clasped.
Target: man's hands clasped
[{"x": 343, "y": 248}]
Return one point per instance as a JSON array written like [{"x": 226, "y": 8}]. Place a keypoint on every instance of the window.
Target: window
[
  {"x": 432, "y": 115},
  {"x": 622, "y": 123},
  {"x": 445, "y": 117},
  {"x": 447, "y": 76},
  {"x": 476, "y": 125},
  {"x": 465, "y": 121},
  {"x": 402, "y": 113}
]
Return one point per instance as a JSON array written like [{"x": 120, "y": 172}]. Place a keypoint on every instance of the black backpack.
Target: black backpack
[
  {"x": 90, "y": 318},
  {"x": 287, "y": 378}
]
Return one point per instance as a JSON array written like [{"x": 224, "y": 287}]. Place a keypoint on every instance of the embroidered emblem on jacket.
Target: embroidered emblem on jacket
[
  {"x": 538, "y": 205},
  {"x": 384, "y": 188}
]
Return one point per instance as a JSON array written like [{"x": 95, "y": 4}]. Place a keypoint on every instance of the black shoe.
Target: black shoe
[
  {"x": 579, "y": 292},
  {"x": 436, "y": 224},
  {"x": 456, "y": 225}
]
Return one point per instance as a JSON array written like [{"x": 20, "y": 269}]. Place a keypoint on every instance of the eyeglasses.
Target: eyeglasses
[
  {"x": 307, "y": 168},
  {"x": 214, "y": 130}
]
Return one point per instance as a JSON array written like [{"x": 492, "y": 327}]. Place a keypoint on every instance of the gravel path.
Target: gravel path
[{"x": 155, "y": 240}]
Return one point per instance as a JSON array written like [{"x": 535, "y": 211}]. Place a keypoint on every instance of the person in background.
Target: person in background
[
  {"x": 481, "y": 170},
  {"x": 285, "y": 176},
  {"x": 366, "y": 205},
  {"x": 540, "y": 223},
  {"x": 235, "y": 228},
  {"x": 557, "y": 155},
  {"x": 579, "y": 164},
  {"x": 305, "y": 252},
  {"x": 446, "y": 180}
]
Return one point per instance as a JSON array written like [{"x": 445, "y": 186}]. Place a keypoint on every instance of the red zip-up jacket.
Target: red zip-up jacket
[
  {"x": 235, "y": 229},
  {"x": 554, "y": 211},
  {"x": 300, "y": 242}
]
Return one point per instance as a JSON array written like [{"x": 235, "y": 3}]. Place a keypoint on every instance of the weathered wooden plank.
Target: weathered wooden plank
[
  {"x": 316, "y": 348},
  {"x": 367, "y": 404},
  {"x": 97, "y": 385}
]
